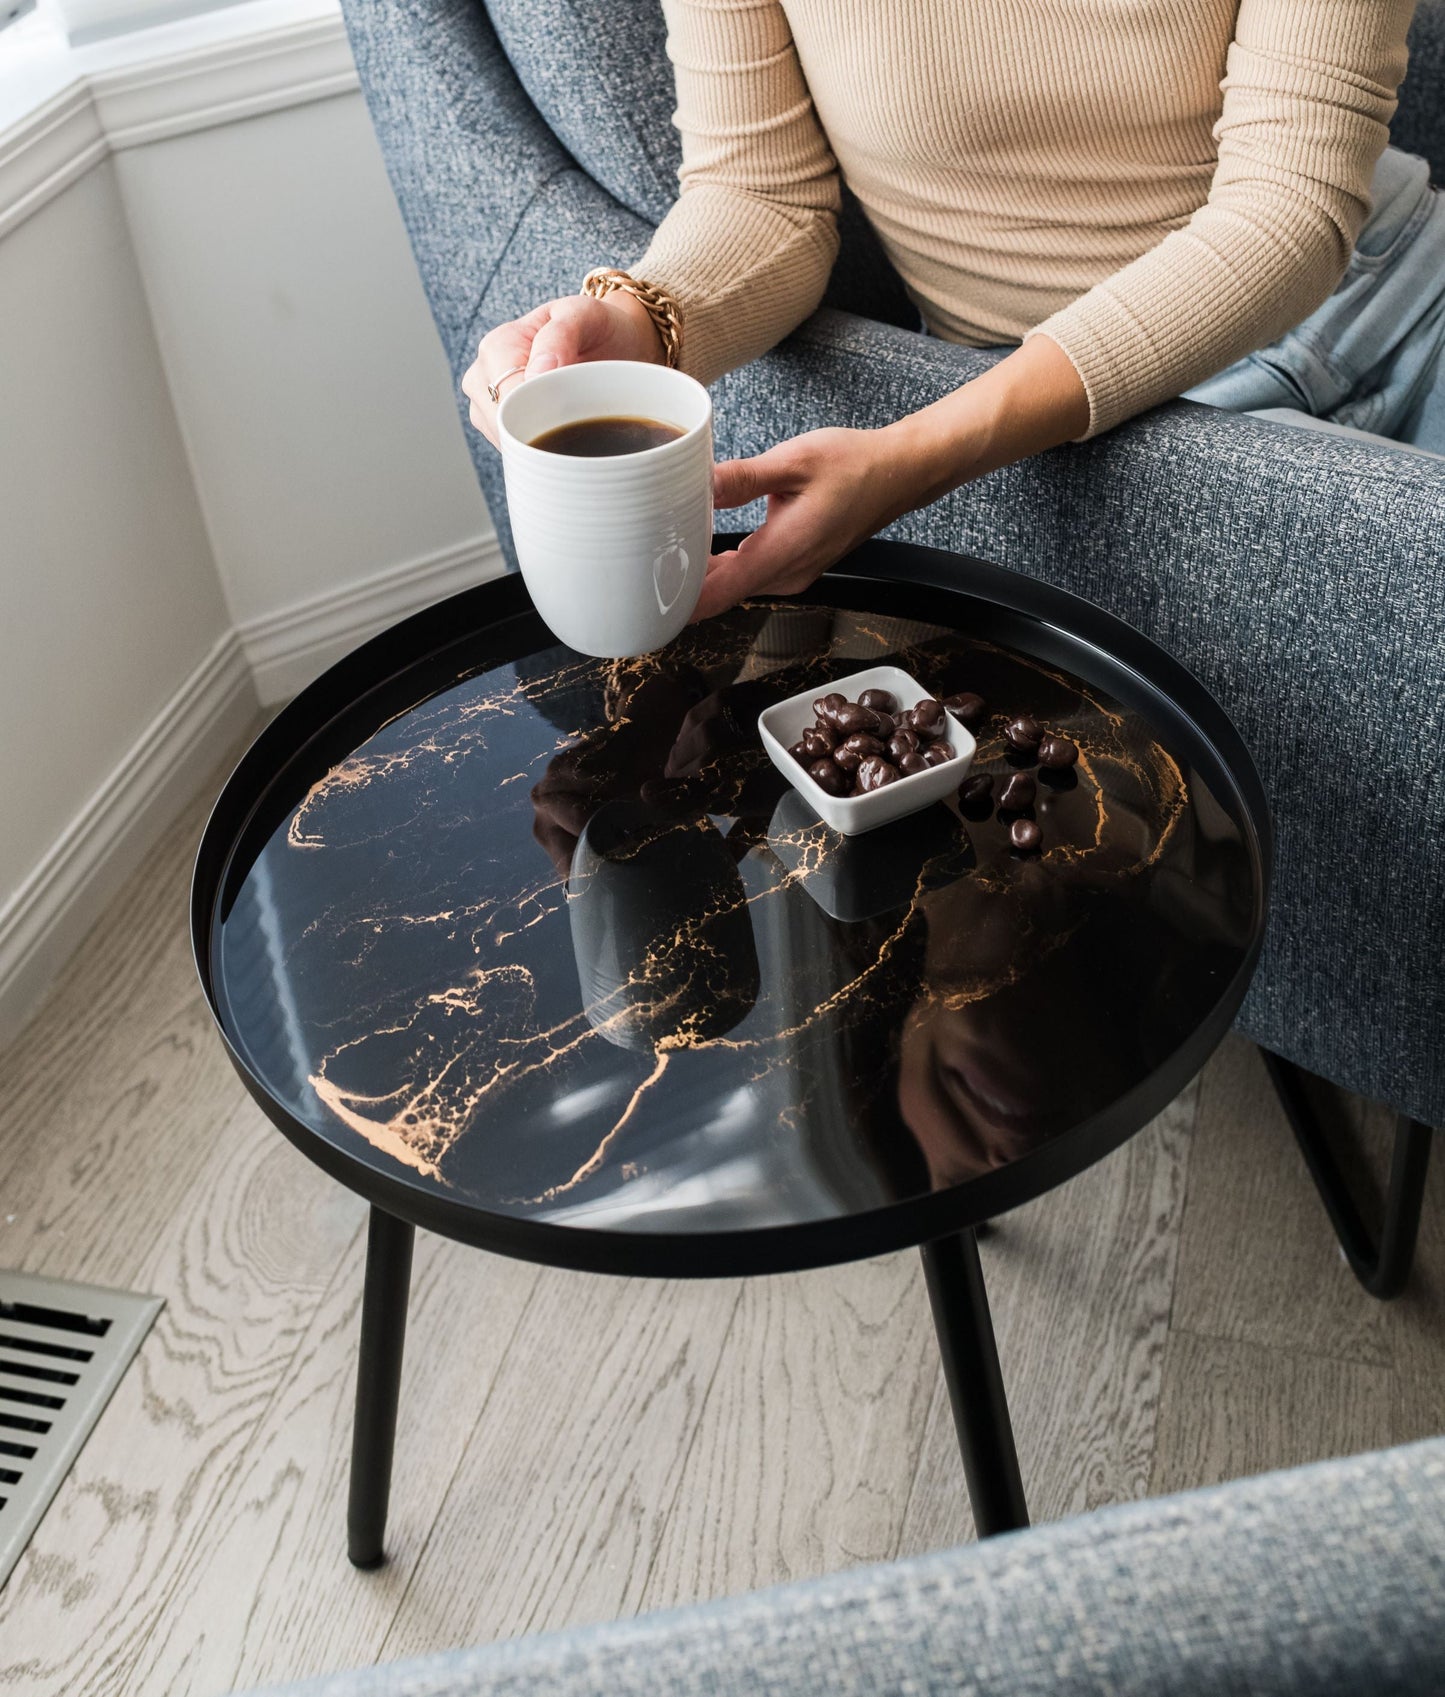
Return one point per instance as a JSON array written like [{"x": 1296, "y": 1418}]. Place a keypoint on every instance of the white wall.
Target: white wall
[
  {"x": 310, "y": 384},
  {"x": 110, "y": 594},
  {"x": 228, "y": 444}
]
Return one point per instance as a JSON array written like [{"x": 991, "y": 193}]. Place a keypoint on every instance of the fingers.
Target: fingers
[
  {"x": 503, "y": 349},
  {"x": 560, "y": 332},
  {"x": 561, "y": 804},
  {"x": 781, "y": 557},
  {"x": 695, "y": 740},
  {"x": 573, "y": 327},
  {"x": 727, "y": 582},
  {"x": 734, "y": 577},
  {"x": 736, "y": 482},
  {"x": 761, "y": 560},
  {"x": 558, "y": 843}
]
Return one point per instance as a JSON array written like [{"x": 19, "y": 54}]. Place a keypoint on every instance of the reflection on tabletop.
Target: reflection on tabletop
[{"x": 558, "y": 938}]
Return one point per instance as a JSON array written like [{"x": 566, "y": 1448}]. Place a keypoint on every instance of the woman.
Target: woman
[{"x": 1137, "y": 193}]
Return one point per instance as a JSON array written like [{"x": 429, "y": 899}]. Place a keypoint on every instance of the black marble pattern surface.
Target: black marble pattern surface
[{"x": 555, "y": 939}]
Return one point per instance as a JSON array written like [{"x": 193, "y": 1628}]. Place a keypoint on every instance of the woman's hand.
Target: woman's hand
[
  {"x": 561, "y": 332},
  {"x": 829, "y": 490}
]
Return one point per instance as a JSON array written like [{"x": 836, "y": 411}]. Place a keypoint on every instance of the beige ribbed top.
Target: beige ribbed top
[{"x": 1161, "y": 185}]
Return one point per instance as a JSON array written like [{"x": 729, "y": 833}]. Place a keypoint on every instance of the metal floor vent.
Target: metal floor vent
[{"x": 63, "y": 1348}]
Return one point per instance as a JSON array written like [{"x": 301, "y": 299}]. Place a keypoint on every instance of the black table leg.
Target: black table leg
[
  {"x": 975, "y": 1383},
  {"x": 378, "y": 1384},
  {"x": 1382, "y": 1265}
]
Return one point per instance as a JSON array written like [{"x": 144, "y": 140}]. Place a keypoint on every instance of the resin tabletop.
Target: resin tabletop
[{"x": 512, "y": 939}]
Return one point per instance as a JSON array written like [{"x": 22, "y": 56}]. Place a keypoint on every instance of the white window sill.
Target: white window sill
[
  {"x": 38, "y": 65},
  {"x": 63, "y": 110}
]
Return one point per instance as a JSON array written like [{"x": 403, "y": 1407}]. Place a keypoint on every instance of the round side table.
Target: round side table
[{"x": 541, "y": 953}]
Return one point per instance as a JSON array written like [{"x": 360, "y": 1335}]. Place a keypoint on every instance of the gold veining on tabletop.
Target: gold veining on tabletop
[
  {"x": 450, "y": 1054},
  {"x": 599, "y": 1154}
]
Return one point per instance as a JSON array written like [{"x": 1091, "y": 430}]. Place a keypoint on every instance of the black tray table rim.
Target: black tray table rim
[{"x": 334, "y": 701}]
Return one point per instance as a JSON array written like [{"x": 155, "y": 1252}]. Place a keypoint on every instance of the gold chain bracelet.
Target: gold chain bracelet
[{"x": 660, "y": 307}]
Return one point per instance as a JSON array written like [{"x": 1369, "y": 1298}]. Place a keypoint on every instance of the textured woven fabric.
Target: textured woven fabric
[
  {"x": 1301, "y": 577},
  {"x": 1325, "y": 1582}
]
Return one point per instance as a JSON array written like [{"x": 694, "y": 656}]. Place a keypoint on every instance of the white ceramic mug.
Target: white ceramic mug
[{"x": 613, "y": 549}]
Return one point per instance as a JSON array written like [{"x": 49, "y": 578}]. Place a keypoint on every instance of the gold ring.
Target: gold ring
[{"x": 494, "y": 389}]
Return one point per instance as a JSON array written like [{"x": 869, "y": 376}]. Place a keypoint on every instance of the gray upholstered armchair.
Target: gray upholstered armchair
[
  {"x": 1322, "y": 1582},
  {"x": 1300, "y": 575}
]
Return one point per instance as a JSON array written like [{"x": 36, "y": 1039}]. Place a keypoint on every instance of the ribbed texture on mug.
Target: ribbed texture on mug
[{"x": 613, "y": 550}]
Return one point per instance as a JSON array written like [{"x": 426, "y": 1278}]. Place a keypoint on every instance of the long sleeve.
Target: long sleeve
[
  {"x": 1308, "y": 96},
  {"x": 747, "y": 248}
]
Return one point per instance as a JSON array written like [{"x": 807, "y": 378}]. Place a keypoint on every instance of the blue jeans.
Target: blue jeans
[{"x": 1370, "y": 357}]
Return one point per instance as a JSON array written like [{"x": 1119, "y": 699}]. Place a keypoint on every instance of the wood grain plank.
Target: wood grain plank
[
  {"x": 575, "y": 1447},
  {"x": 1080, "y": 1283},
  {"x": 810, "y": 1435},
  {"x": 275, "y": 1533},
  {"x": 131, "y": 974},
  {"x": 1232, "y": 1409},
  {"x": 1258, "y": 1259},
  {"x": 99, "y": 1190},
  {"x": 1417, "y": 1316},
  {"x": 557, "y": 1510},
  {"x": 242, "y": 1261}
]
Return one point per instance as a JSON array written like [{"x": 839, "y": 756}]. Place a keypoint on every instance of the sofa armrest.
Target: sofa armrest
[{"x": 1324, "y": 1580}]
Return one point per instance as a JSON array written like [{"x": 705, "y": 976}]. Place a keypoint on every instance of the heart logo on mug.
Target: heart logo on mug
[{"x": 669, "y": 574}]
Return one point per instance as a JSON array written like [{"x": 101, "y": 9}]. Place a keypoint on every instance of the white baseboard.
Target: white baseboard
[
  {"x": 287, "y": 649},
  {"x": 43, "y": 922}
]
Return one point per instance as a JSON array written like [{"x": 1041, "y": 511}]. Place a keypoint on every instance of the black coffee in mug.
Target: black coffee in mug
[{"x": 592, "y": 438}]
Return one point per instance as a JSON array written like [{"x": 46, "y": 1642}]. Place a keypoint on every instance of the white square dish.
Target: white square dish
[{"x": 782, "y": 724}]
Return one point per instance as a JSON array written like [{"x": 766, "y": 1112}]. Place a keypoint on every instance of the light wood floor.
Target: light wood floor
[{"x": 573, "y": 1447}]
